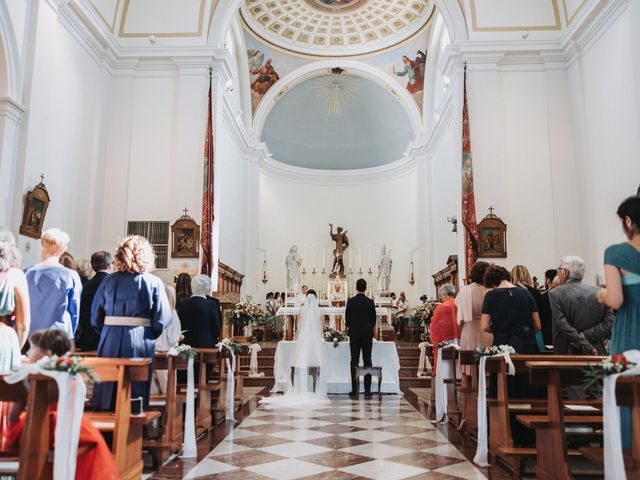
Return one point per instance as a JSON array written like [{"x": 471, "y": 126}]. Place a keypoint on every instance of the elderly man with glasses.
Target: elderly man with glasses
[{"x": 580, "y": 324}]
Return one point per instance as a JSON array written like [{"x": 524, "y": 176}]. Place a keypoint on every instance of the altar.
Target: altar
[{"x": 383, "y": 354}]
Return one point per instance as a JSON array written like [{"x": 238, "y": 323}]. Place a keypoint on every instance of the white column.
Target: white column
[{"x": 11, "y": 114}]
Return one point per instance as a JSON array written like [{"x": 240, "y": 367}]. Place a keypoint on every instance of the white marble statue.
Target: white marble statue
[
  {"x": 384, "y": 270},
  {"x": 293, "y": 263}
]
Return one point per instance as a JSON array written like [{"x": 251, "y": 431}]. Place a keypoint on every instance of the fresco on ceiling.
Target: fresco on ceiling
[
  {"x": 406, "y": 64},
  {"x": 266, "y": 67}
]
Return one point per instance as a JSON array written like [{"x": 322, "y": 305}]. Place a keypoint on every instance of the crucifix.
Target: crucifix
[
  {"x": 42, "y": 178},
  {"x": 185, "y": 212},
  {"x": 491, "y": 209}
]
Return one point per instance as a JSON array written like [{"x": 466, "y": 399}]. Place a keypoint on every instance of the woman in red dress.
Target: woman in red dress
[
  {"x": 444, "y": 323},
  {"x": 97, "y": 462}
]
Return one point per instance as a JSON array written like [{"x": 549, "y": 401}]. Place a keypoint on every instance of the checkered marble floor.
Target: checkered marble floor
[{"x": 349, "y": 439}]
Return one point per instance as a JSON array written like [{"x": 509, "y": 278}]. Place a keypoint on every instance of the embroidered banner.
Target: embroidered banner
[
  {"x": 468, "y": 197},
  {"x": 206, "y": 240}
]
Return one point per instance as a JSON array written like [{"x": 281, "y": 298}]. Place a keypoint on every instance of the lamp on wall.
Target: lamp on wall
[
  {"x": 412, "y": 273},
  {"x": 265, "y": 268},
  {"x": 454, "y": 221}
]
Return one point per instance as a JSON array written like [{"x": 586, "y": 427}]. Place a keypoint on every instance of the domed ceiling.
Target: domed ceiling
[
  {"x": 336, "y": 27},
  {"x": 340, "y": 126}
]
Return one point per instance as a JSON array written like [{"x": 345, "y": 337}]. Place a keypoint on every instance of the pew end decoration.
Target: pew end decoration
[
  {"x": 185, "y": 351},
  {"x": 231, "y": 344},
  {"x": 334, "y": 336},
  {"x": 595, "y": 374},
  {"x": 68, "y": 364},
  {"x": 493, "y": 351},
  {"x": 423, "y": 313}
]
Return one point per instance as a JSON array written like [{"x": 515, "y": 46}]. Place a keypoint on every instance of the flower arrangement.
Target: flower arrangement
[
  {"x": 186, "y": 351},
  {"x": 493, "y": 351},
  {"x": 68, "y": 364},
  {"x": 244, "y": 313},
  {"x": 230, "y": 343},
  {"x": 334, "y": 336},
  {"x": 423, "y": 313},
  {"x": 424, "y": 337},
  {"x": 594, "y": 374}
]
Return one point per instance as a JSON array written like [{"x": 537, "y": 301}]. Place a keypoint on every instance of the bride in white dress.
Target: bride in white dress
[{"x": 309, "y": 357}]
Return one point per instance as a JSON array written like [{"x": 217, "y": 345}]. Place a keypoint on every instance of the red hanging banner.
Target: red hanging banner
[{"x": 206, "y": 237}]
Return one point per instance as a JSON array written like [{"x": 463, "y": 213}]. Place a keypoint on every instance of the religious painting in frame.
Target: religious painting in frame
[
  {"x": 185, "y": 238},
  {"x": 492, "y": 237},
  {"x": 35, "y": 209},
  {"x": 337, "y": 292}
]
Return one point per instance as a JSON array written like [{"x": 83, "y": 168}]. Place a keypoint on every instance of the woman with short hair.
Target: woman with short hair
[
  {"x": 54, "y": 289},
  {"x": 130, "y": 310},
  {"x": 444, "y": 326}
]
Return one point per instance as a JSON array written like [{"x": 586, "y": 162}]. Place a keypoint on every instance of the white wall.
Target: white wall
[
  {"x": 605, "y": 106},
  {"x": 68, "y": 99},
  {"x": 377, "y": 213}
]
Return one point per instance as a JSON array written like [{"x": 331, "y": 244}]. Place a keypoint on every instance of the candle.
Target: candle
[
  {"x": 324, "y": 251},
  {"x": 350, "y": 259},
  {"x": 314, "y": 255},
  {"x": 359, "y": 257},
  {"x": 369, "y": 255}
]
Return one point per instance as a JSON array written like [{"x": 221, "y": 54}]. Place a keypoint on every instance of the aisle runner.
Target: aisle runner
[{"x": 368, "y": 439}]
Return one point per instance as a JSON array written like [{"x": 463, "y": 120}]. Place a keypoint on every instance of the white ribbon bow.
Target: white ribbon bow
[
  {"x": 442, "y": 394},
  {"x": 189, "y": 449},
  {"x": 613, "y": 458},
  {"x": 71, "y": 395},
  {"x": 231, "y": 368},
  {"x": 254, "y": 348},
  {"x": 482, "y": 451},
  {"x": 423, "y": 363}
]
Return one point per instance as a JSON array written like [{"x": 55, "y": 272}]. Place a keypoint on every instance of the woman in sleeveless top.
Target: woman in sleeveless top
[
  {"x": 622, "y": 278},
  {"x": 469, "y": 301},
  {"x": 14, "y": 314}
]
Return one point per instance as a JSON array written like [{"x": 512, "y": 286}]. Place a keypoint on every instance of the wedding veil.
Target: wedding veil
[{"x": 309, "y": 357}]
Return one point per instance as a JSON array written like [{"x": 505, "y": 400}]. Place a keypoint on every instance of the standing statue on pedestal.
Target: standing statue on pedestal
[
  {"x": 384, "y": 270},
  {"x": 342, "y": 243},
  {"x": 293, "y": 262}
]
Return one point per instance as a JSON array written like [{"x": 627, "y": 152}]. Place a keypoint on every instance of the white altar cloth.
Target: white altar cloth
[
  {"x": 293, "y": 311},
  {"x": 383, "y": 354}
]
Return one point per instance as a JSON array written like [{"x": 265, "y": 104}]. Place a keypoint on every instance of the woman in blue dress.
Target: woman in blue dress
[
  {"x": 130, "y": 310},
  {"x": 622, "y": 278}
]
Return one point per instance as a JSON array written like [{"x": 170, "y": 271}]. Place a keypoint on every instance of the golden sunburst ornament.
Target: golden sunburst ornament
[{"x": 336, "y": 89}]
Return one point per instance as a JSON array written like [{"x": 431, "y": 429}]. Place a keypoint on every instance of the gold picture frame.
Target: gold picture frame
[
  {"x": 185, "y": 238},
  {"x": 35, "y": 210},
  {"x": 492, "y": 237}
]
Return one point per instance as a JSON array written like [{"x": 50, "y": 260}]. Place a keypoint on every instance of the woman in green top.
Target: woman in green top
[{"x": 622, "y": 278}]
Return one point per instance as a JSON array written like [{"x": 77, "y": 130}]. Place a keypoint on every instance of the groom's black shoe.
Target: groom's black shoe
[
  {"x": 353, "y": 395},
  {"x": 368, "y": 395}
]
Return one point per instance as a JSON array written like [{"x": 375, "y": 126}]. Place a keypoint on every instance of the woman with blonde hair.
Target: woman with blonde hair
[
  {"x": 130, "y": 310},
  {"x": 53, "y": 288},
  {"x": 521, "y": 277}
]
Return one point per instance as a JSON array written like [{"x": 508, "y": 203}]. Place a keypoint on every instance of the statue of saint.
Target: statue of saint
[
  {"x": 293, "y": 263},
  {"x": 342, "y": 243},
  {"x": 384, "y": 270}
]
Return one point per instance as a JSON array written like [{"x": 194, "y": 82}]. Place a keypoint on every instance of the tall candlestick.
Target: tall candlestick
[
  {"x": 359, "y": 257},
  {"x": 369, "y": 255},
  {"x": 314, "y": 254},
  {"x": 324, "y": 251},
  {"x": 350, "y": 258}
]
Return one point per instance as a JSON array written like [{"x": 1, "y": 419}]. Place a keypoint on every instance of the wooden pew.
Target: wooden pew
[
  {"x": 450, "y": 355},
  {"x": 126, "y": 429},
  {"x": 627, "y": 395},
  {"x": 501, "y": 442},
  {"x": 170, "y": 406},
  {"x": 468, "y": 394},
  {"x": 32, "y": 458},
  {"x": 206, "y": 387},
  {"x": 551, "y": 435}
]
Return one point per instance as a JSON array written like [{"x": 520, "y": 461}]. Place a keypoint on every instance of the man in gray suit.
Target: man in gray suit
[{"x": 580, "y": 323}]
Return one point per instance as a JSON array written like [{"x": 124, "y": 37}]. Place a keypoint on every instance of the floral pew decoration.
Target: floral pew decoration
[
  {"x": 608, "y": 373},
  {"x": 71, "y": 396},
  {"x": 482, "y": 451},
  {"x": 189, "y": 449},
  {"x": 232, "y": 346}
]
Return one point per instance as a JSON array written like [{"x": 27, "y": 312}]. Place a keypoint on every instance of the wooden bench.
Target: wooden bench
[
  {"x": 627, "y": 395},
  {"x": 125, "y": 428},
  {"x": 207, "y": 386},
  {"x": 468, "y": 394},
  {"x": 501, "y": 407},
  {"x": 170, "y": 407},
  {"x": 551, "y": 434}
]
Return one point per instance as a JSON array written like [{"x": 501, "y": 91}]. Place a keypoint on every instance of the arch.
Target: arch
[
  {"x": 10, "y": 85},
  {"x": 321, "y": 67},
  {"x": 225, "y": 11}
]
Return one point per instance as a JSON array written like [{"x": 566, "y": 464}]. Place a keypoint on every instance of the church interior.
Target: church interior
[{"x": 187, "y": 187}]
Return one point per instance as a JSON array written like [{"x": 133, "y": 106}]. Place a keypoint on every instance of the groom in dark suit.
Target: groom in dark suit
[{"x": 361, "y": 320}]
